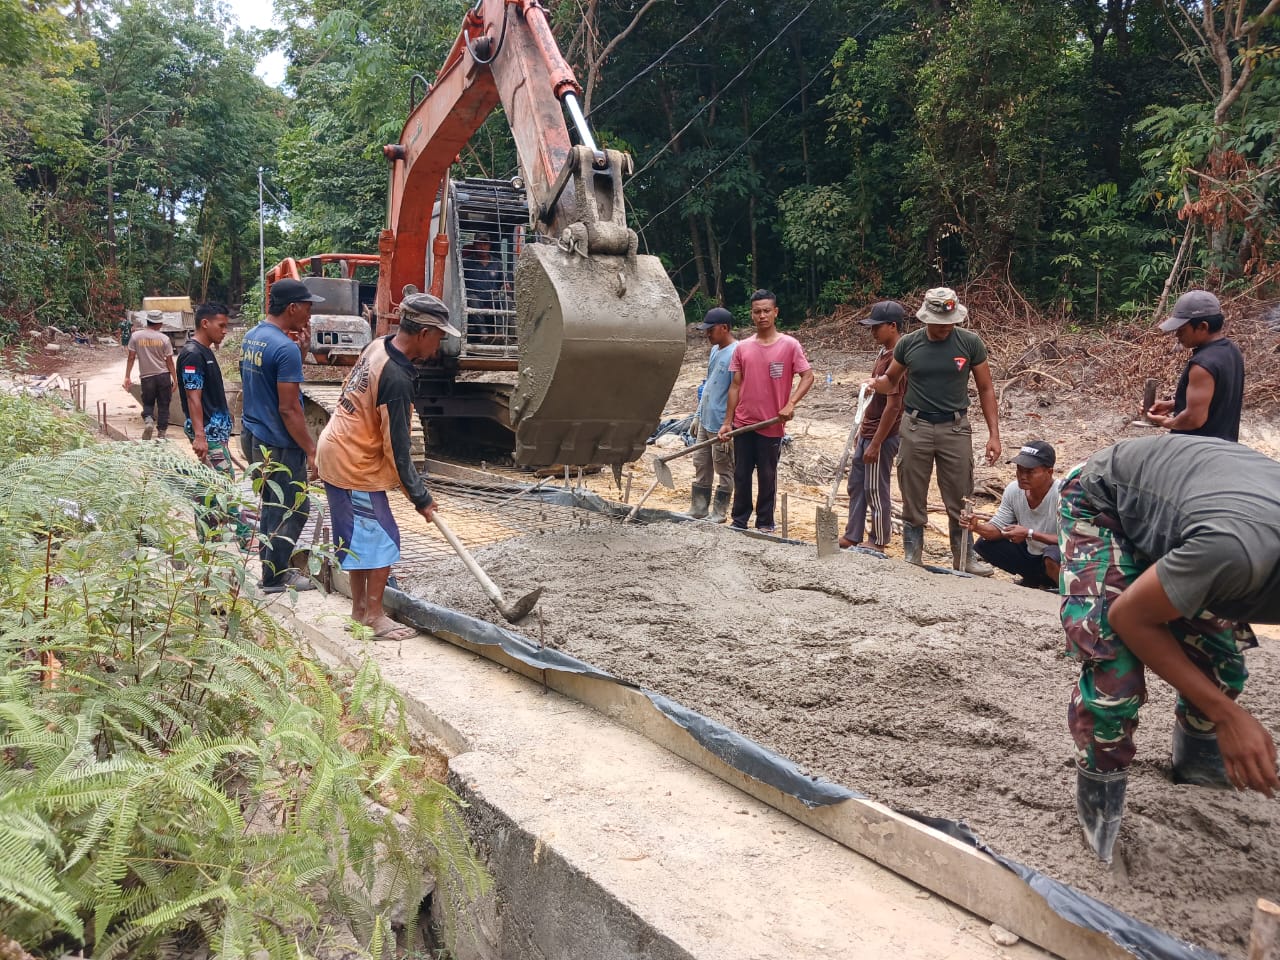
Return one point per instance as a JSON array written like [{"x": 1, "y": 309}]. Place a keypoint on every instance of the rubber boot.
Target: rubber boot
[
  {"x": 1100, "y": 807},
  {"x": 700, "y": 502},
  {"x": 720, "y": 505},
  {"x": 975, "y": 565},
  {"x": 912, "y": 543},
  {"x": 1197, "y": 759}
]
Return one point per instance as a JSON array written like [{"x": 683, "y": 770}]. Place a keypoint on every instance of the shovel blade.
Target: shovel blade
[
  {"x": 828, "y": 529},
  {"x": 663, "y": 473},
  {"x": 515, "y": 612}
]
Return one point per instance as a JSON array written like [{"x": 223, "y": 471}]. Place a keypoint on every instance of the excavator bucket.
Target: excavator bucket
[{"x": 601, "y": 343}]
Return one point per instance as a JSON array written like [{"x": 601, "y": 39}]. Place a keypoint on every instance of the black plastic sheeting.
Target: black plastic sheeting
[{"x": 750, "y": 758}]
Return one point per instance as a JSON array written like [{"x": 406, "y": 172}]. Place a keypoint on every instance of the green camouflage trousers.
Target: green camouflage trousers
[{"x": 1098, "y": 563}]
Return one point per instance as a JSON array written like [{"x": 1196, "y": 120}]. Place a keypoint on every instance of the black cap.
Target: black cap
[
  {"x": 714, "y": 317},
  {"x": 886, "y": 311},
  {"x": 285, "y": 292},
  {"x": 1035, "y": 453}
]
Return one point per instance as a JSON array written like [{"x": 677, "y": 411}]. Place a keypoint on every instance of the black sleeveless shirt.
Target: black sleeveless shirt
[{"x": 1224, "y": 362}]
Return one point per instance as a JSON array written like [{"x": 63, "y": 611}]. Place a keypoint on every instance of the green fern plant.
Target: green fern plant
[{"x": 175, "y": 771}]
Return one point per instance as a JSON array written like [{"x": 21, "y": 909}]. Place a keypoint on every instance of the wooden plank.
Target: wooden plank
[{"x": 1264, "y": 938}]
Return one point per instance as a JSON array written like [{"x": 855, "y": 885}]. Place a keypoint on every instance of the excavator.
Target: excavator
[{"x": 571, "y": 339}]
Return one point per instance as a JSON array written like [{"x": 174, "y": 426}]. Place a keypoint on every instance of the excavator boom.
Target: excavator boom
[{"x": 600, "y": 330}]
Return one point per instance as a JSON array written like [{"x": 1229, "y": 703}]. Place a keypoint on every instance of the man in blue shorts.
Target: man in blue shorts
[{"x": 364, "y": 451}]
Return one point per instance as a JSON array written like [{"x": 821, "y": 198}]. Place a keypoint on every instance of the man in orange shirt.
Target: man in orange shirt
[{"x": 364, "y": 451}]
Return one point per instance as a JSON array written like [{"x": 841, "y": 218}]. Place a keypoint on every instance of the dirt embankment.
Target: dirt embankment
[{"x": 943, "y": 695}]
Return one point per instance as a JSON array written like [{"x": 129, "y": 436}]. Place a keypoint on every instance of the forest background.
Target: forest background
[{"x": 1088, "y": 156}]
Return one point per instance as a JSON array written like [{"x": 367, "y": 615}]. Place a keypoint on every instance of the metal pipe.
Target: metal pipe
[{"x": 580, "y": 124}]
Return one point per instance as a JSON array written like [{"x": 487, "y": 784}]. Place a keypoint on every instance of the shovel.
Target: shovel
[
  {"x": 662, "y": 473},
  {"x": 512, "y": 613},
  {"x": 826, "y": 523}
]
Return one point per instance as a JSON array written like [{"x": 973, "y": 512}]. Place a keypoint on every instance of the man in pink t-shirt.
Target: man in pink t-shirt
[{"x": 764, "y": 367}]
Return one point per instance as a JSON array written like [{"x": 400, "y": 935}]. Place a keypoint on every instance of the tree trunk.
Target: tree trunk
[{"x": 713, "y": 249}]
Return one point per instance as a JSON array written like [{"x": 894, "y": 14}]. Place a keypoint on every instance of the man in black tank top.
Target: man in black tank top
[{"x": 1210, "y": 392}]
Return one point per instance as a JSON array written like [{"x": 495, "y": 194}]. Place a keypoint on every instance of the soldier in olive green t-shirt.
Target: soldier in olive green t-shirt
[{"x": 935, "y": 426}]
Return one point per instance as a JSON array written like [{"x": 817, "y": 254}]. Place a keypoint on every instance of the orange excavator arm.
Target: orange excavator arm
[
  {"x": 504, "y": 54},
  {"x": 600, "y": 329}
]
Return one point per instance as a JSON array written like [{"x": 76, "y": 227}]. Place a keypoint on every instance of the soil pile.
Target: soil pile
[{"x": 935, "y": 693}]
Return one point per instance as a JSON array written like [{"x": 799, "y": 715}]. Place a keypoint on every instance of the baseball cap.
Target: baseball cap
[
  {"x": 941, "y": 306},
  {"x": 886, "y": 311},
  {"x": 425, "y": 310},
  {"x": 715, "y": 316},
  {"x": 155, "y": 316},
  {"x": 1035, "y": 453},
  {"x": 1192, "y": 305},
  {"x": 285, "y": 292}
]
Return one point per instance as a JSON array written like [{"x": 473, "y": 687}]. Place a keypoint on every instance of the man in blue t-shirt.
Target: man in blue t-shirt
[
  {"x": 717, "y": 460},
  {"x": 274, "y": 430}
]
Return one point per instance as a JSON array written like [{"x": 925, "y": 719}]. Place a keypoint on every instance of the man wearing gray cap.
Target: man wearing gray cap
[
  {"x": 935, "y": 430},
  {"x": 364, "y": 451},
  {"x": 1210, "y": 393},
  {"x": 716, "y": 461},
  {"x": 157, "y": 375},
  {"x": 878, "y": 439}
]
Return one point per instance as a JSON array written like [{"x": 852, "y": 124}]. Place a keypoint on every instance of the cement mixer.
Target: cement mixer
[{"x": 571, "y": 340}]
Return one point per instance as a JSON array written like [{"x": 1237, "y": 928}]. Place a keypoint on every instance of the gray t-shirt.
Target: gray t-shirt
[
  {"x": 1014, "y": 508},
  {"x": 1206, "y": 511}
]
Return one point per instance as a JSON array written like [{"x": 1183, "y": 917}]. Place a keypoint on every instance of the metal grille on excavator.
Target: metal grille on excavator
[{"x": 488, "y": 219}]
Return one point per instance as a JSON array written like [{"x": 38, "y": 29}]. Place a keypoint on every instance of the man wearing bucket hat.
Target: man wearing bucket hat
[
  {"x": 940, "y": 359},
  {"x": 714, "y": 462},
  {"x": 157, "y": 375},
  {"x": 1210, "y": 392},
  {"x": 364, "y": 451}
]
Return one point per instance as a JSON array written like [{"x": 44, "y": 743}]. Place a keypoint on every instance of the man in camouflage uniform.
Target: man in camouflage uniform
[{"x": 1168, "y": 545}]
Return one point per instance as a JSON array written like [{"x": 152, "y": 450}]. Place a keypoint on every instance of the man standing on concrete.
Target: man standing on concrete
[
  {"x": 274, "y": 431},
  {"x": 364, "y": 451},
  {"x": 764, "y": 367},
  {"x": 716, "y": 461},
  {"x": 157, "y": 376},
  {"x": 877, "y": 439},
  {"x": 940, "y": 359},
  {"x": 1210, "y": 394},
  {"x": 1169, "y": 545},
  {"x": 203, "y": 396},
  {"x": 1022, "y": 537}
]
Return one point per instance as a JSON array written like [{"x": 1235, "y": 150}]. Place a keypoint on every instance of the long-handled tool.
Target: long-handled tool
[
  {"x": 513, "y": 613},
  {"x": 662, "y": 473},
  {"x": 826, "y": 524}
]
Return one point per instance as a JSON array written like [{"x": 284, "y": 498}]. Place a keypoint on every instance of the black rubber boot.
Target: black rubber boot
[
  {"x": 700, "y": 502},
  {"x": 1197, "y": 759},
  {"x": 1100, "y": 807},
  {"x": 720, "y": 505},
  {"x": 912, "y": 543}
]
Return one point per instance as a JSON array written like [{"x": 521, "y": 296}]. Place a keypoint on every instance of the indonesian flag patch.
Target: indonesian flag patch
[
  {"x": 960, "y": 362},
  {"x": 188, "y": 369}
]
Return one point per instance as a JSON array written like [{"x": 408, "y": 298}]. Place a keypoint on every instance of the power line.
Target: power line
[
  {"x": 664, "y": 56},
  {"x": 751, "y": 136},
  {"x": 707, "y": 106}
]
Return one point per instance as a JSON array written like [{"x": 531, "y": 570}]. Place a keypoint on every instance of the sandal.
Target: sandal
[{"x": 396, "y": 633}]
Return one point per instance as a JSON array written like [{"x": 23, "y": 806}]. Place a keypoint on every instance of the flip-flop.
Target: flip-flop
[{"x": 396, "y": 633}]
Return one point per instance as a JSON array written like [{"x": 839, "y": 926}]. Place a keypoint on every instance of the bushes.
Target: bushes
[{"x": 174, "y": 770}]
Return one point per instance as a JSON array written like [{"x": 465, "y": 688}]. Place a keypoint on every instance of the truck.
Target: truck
[
  {"x": 179, "y": 318},
  {"x": 571, "y": 339}
]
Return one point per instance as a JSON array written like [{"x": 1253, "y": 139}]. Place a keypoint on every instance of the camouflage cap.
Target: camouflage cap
[
  {"x": 941, "y": 305},
  {"x": 424, "y": 310}
]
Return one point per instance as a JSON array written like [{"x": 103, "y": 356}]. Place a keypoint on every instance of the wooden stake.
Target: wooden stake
[
  {"x": 1264, "y": 939},
  {"x": 784, "y": 515}
]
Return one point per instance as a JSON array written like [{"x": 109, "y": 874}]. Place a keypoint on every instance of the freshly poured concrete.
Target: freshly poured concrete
[{"x": 603, "y": 845}]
